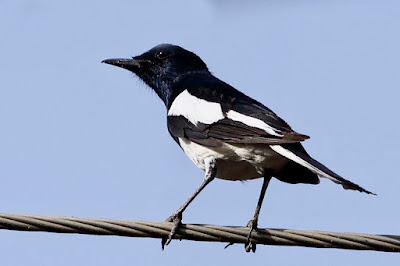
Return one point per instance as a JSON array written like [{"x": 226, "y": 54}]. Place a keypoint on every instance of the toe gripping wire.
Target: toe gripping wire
[{"x": 199, "y": 232}]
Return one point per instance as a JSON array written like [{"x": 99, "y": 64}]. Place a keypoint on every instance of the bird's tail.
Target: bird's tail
[{"x": 295, "y": 152}]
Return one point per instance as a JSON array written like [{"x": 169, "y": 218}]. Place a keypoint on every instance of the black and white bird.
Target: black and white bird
[{"x": 223, "y": 131}]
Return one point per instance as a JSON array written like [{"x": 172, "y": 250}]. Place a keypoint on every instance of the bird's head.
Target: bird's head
[{"x": 161, "y": 67}]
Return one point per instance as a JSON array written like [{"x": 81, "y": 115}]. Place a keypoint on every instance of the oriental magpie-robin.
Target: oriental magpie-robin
[{"x": 223, "y": 131}]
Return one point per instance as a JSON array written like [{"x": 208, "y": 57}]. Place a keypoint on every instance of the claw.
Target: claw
[
  {"x": 249, "y": 246},
  {"x": 175, "y": 218},
  {"x": 230, "y": 244}
]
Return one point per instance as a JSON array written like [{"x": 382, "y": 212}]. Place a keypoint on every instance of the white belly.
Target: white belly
[{"x": 234, "y": 161}]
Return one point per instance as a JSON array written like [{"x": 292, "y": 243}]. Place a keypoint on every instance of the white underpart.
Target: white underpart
[
  {"x": 195, "y": 110},
  {"x": 291, "y": 156},
  {"x": 199, "y": 154},
  {"x": 234, "y": 161},
  {"x": 253, "y": 122}
]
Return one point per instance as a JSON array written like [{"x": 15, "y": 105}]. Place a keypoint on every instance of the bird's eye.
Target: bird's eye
[{"x": 163, "y": 53}]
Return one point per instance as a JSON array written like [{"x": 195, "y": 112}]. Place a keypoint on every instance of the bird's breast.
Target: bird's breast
[{"x": 234, "y": 161}]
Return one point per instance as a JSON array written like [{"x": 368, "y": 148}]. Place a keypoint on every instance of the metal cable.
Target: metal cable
[{"x": 198, "y": 232}]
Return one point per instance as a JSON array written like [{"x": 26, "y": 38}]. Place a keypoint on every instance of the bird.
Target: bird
[{"x": 226, "y": 133}]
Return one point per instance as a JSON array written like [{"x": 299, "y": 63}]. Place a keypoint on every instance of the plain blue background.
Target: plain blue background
[{"x": 85, "y": 139}]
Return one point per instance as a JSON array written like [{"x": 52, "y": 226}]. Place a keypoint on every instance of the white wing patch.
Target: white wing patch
[
  {"x": 195, "y": 110},
  {"x": 291, "y": 156},
  {"x": 253, "y": 122}
]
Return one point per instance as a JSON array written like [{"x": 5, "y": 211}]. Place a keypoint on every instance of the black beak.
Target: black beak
[{"x": 124, "y": 63}]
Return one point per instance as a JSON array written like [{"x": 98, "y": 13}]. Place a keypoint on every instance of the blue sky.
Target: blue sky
[{"x": 81, "y": 138}]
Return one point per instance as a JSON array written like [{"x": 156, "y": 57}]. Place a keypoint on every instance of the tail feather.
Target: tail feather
[
  {"x": 295, "y": 173},
  {"x": 296, "y": 153}
]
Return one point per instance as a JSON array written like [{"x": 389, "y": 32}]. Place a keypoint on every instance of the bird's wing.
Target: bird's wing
[
  {"x": 225, "y": 130},
  {"x": 210, "y": 115},
  {"x": 251, "y": 121}
]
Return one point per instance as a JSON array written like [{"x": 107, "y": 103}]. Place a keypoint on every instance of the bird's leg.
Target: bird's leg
[
  {"x": 253, "y": 223},
  {"x": 176, "y": 217}
]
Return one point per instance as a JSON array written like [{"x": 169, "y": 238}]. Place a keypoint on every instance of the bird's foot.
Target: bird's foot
[
  {"x": 250, "y": 246},
  {"x": 175, "y": 218}
]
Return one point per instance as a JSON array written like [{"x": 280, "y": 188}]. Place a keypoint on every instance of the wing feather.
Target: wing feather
[{"x": 244, "y": 120}]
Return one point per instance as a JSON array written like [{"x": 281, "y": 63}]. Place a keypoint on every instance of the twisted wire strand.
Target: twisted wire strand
[{"x": 199, "y": 232}]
